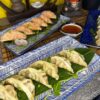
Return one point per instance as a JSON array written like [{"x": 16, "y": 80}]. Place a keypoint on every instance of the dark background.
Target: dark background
[{"x": 90, "y": 4}]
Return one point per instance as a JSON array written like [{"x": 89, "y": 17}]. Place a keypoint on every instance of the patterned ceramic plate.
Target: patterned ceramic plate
[
  {"x": 35, "y": 39},
  {"x": 68, "y": 87}
]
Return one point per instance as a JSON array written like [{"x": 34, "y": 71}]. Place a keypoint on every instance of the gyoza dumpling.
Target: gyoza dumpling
[
  {"x": 19, "y": 85},
  {"x": 27, "y": 82},
  {"x": 62, "y": 63},
  {"x": 4, "y": 95},
  {"x": 12, "y": 35},
  {"x": 98, "y": 33},
  {"x": 25, "y": 30},
  {"x": 74, "y": 57},
  {"x": 49, "y": 68},
  {"x": 98, "y": 42},
  {"x": 46, "y": 19},
  {"x": 49, "y": 14},
  {"x": 37, "y": 75},
  {"x": 32, "y": 26},
  {"x": 10, "y": 89},
  {"x": 29, "y": 85},
  {"x": 39, "y": 21}
]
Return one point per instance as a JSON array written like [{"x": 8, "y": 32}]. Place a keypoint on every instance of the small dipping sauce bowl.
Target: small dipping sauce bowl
[{"x": 71, "y": 29}]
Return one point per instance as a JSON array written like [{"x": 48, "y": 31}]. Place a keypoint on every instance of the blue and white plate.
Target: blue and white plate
[{"x": 68, "y": 87}]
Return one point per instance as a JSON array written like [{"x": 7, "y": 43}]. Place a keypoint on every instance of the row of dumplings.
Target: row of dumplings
[
  {"x": 39, "y": 71},
  {"x": 98, "y": 32},
  {"x": 29, "y": 28}
]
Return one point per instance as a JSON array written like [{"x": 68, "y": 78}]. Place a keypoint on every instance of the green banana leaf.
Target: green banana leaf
[
  {"x": 21, "y": 95},
  {"x": 64, "y": 74}
]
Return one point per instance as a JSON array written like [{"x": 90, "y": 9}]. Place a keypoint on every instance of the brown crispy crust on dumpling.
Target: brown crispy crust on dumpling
[
  {"x": 49, "y": 14},
  {"x": 32, "y": 26},
  {"x": 46, "y": 19},
  {"x": 39, "y": 21},
  {"x": 25, "y": 30},
  {"x": 12, "y": 35}
]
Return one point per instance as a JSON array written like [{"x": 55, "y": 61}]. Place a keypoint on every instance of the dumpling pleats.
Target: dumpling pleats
[
  {"x": 10, "y": 89},
  {"x": 27, "y": 82},
  {"x": 19, "y": 85},
  {"x": 49, "y": 68},
  {"x": 37, "y": 75},
  {"x": 46, "y": 19},
  {"x": 62, "y": 62},
  {"x": 4, "y": 95},
  {"x": 24, "y": 30},
  {"x": 12, "y": 35},
  {"x": 39, "y": 21},
  {"x": 49, "y": 14},
  {"x": 74, "y": 57}
]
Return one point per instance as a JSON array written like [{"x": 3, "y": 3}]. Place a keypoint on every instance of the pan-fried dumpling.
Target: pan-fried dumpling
[
  {"x": 4, "y": 95},
  {"x": 74, "y": 57},
  {"x": 49, "y": 14},
  {"x": 27, "y": 82},
  {"x": 49, "y": 68},
  {"x": 29, "y": 85},
  {"x": 24, "y": 30},
  {"x": 37, "y": 75},
  {"x": 12, "y": 35},
  {"x": 39, "y": 21},
  {"x": 35, "y": 28},
  {"x": 27, "y": 24},
  {"x": 46, "y": 19},
  {"x": 19, "y": 85},
  {"x": 32, "y": 26},
  {"x": 10, "y": 89},
  {"x": 62, "y": 63}
]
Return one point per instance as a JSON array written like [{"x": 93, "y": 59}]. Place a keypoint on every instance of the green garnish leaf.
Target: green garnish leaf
[
  {"x": 87, "y": 53},
  {"x": 57, "y": 88},
  {"x": 39, "y": 88},
  {"x": 21, "y": 95}
]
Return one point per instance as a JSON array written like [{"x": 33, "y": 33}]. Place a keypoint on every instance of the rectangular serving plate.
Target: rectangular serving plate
[
  {"x": 87, "y": 37},
  {"x": 68, "y": 87},
  {"x": 43, "y": 35}
]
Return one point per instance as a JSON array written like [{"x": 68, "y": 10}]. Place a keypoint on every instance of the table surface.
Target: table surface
[{"x": 90, "y": 90}]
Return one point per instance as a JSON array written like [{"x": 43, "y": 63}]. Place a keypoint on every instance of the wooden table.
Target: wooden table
[{"x": 6, "y": 55}]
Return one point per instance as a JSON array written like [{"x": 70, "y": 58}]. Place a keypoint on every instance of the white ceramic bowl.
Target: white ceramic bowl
[{"x": 72, "y": 34}]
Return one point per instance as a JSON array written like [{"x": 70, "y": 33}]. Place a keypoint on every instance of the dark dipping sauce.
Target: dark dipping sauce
[{"x": 71, "y": 29}]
